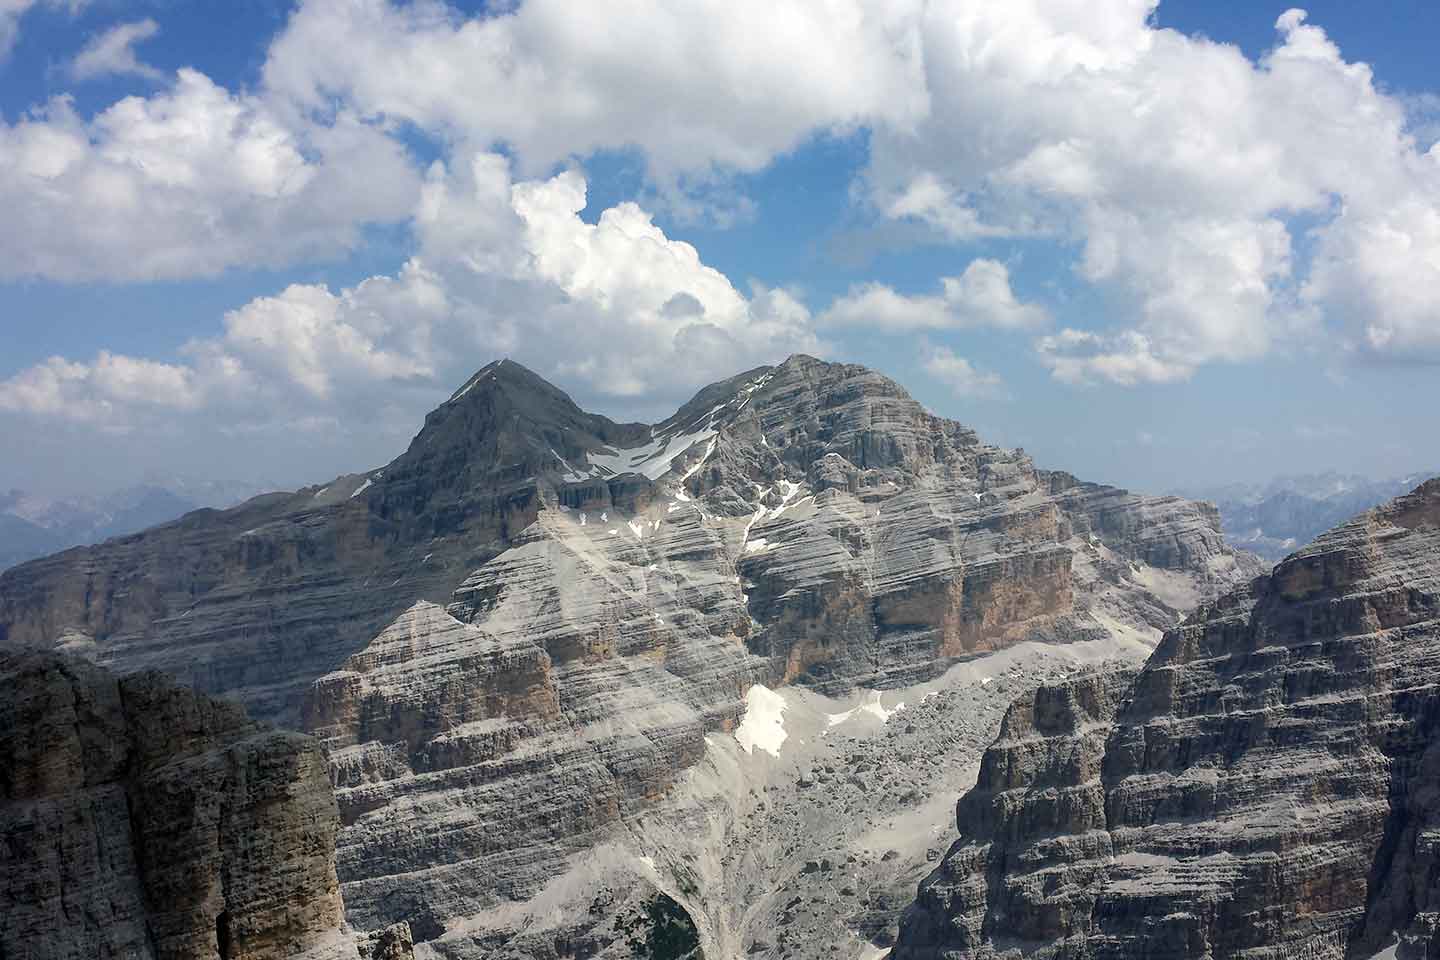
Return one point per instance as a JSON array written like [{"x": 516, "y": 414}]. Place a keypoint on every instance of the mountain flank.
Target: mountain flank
[
  {"x": 536, "y": 602},
  {"x": 1265, "y": 786}
]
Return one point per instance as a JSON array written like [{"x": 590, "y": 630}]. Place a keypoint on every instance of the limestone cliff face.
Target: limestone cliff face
[
  {"x": 536, "y": 602},
  {"x": 1264, "y": 787},
  {"x": 141, "y": 820},
  {"x": 808, "y": 523}
]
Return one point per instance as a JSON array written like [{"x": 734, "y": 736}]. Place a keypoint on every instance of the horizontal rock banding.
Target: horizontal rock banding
[{"x": 1264, "y": 787}]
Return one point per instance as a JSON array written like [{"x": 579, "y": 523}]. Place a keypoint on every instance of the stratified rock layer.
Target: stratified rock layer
[
  {"x": 535, "y": 602},
  {"x": 809, "y": 523},
  {"x": 1266, "y": 787},
  {"x": 139, "y": 820}
]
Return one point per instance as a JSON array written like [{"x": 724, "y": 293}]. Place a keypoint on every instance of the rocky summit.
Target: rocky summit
[
  {"x": 1265, "y": 786},
  {"x": 565, "y": 668}
]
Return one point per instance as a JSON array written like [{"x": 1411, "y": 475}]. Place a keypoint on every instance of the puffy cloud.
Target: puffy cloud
[
  {"x": 190, "y": 181},
  {"x": 1177, "y": 169},
  {"x": 979, "y": 297},
  {"x": 1379, "y": 270},
  {"x": 112, "y": 53},
  {"x": 1126, "y": 358},
  {"x": 111, "y": 389},
  {"x": 958, "y": 373},
  {"x": 302, "y": 349},
  {"x": 714, "y": 84},
  {"x": 1177, "y": 166},
  {"x": 615, "y": 308}
]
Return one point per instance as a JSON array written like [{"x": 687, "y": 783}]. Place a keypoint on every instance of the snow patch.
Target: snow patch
[
  {"x": 361, "y": 489},
  {"x": 764, "y": 723},
  {"x": 653, "y": 459},
  {"x": 470, "y": 386},
  {"x": 571, "y": 474},
  {"x": 788, "y": 490},
  {"x": 872, "y": 706},
  {"x": 709, "y": 449}
]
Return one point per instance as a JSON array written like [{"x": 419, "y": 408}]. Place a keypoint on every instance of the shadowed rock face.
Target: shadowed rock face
[
  {"x": 534, "y": 602},
  {"x": 138, "y": 819},
  {"x": 1266, "y": 786}
]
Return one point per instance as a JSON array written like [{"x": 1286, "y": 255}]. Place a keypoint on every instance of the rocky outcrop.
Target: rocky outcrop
[
  {"x": 536, "y": 602},
  {"x": 138, "y": 819},
  {"x": 1264, "y": 787}
]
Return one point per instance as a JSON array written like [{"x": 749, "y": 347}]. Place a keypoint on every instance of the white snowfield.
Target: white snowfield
[
  {"x": 764, "y": 723},
  {"x": 871, "y": 706},
  {"x": 656, "y": 458},
  {"x": 652, "y": 460}
]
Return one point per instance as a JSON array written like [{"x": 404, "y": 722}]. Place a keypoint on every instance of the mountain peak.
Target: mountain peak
[{"x": 508, "y": 375}]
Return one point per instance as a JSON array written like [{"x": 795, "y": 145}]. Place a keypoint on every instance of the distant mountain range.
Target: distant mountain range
[
  {"x": 33, "y": 526},
  {"x": 1276, "y": 518}
]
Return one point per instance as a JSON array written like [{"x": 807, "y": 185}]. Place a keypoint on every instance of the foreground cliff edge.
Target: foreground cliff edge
[
  {"x": 141, "y": 820},
  {"x": 1267, "y": 785},
  {"x": 537, "y": 629}
]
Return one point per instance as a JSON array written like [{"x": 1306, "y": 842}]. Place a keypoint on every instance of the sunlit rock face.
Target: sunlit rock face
[
  {"x": 534, "y": 602},
  {"x": 1264, "y": 787}
]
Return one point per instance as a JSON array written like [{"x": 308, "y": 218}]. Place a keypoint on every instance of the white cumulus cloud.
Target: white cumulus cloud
[
  {"x": 1174, "y": 173},
  {"x": 695, "y": 86},
  {"x": 981, "y": 296},
  {"x": 614, "y": 309},
  {"x": 1176, "y": 166},
  {"x": 190, "y": 181}
]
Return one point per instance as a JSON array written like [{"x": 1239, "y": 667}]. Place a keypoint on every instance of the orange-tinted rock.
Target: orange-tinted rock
[{"x": 1263, "y": 787}]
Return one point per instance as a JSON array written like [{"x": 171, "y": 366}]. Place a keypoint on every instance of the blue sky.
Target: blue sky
[{"x": 1183, "y": 247}]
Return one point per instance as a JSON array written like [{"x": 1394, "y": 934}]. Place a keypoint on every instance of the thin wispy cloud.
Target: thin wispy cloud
[{"x": 112, "y": 53}]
